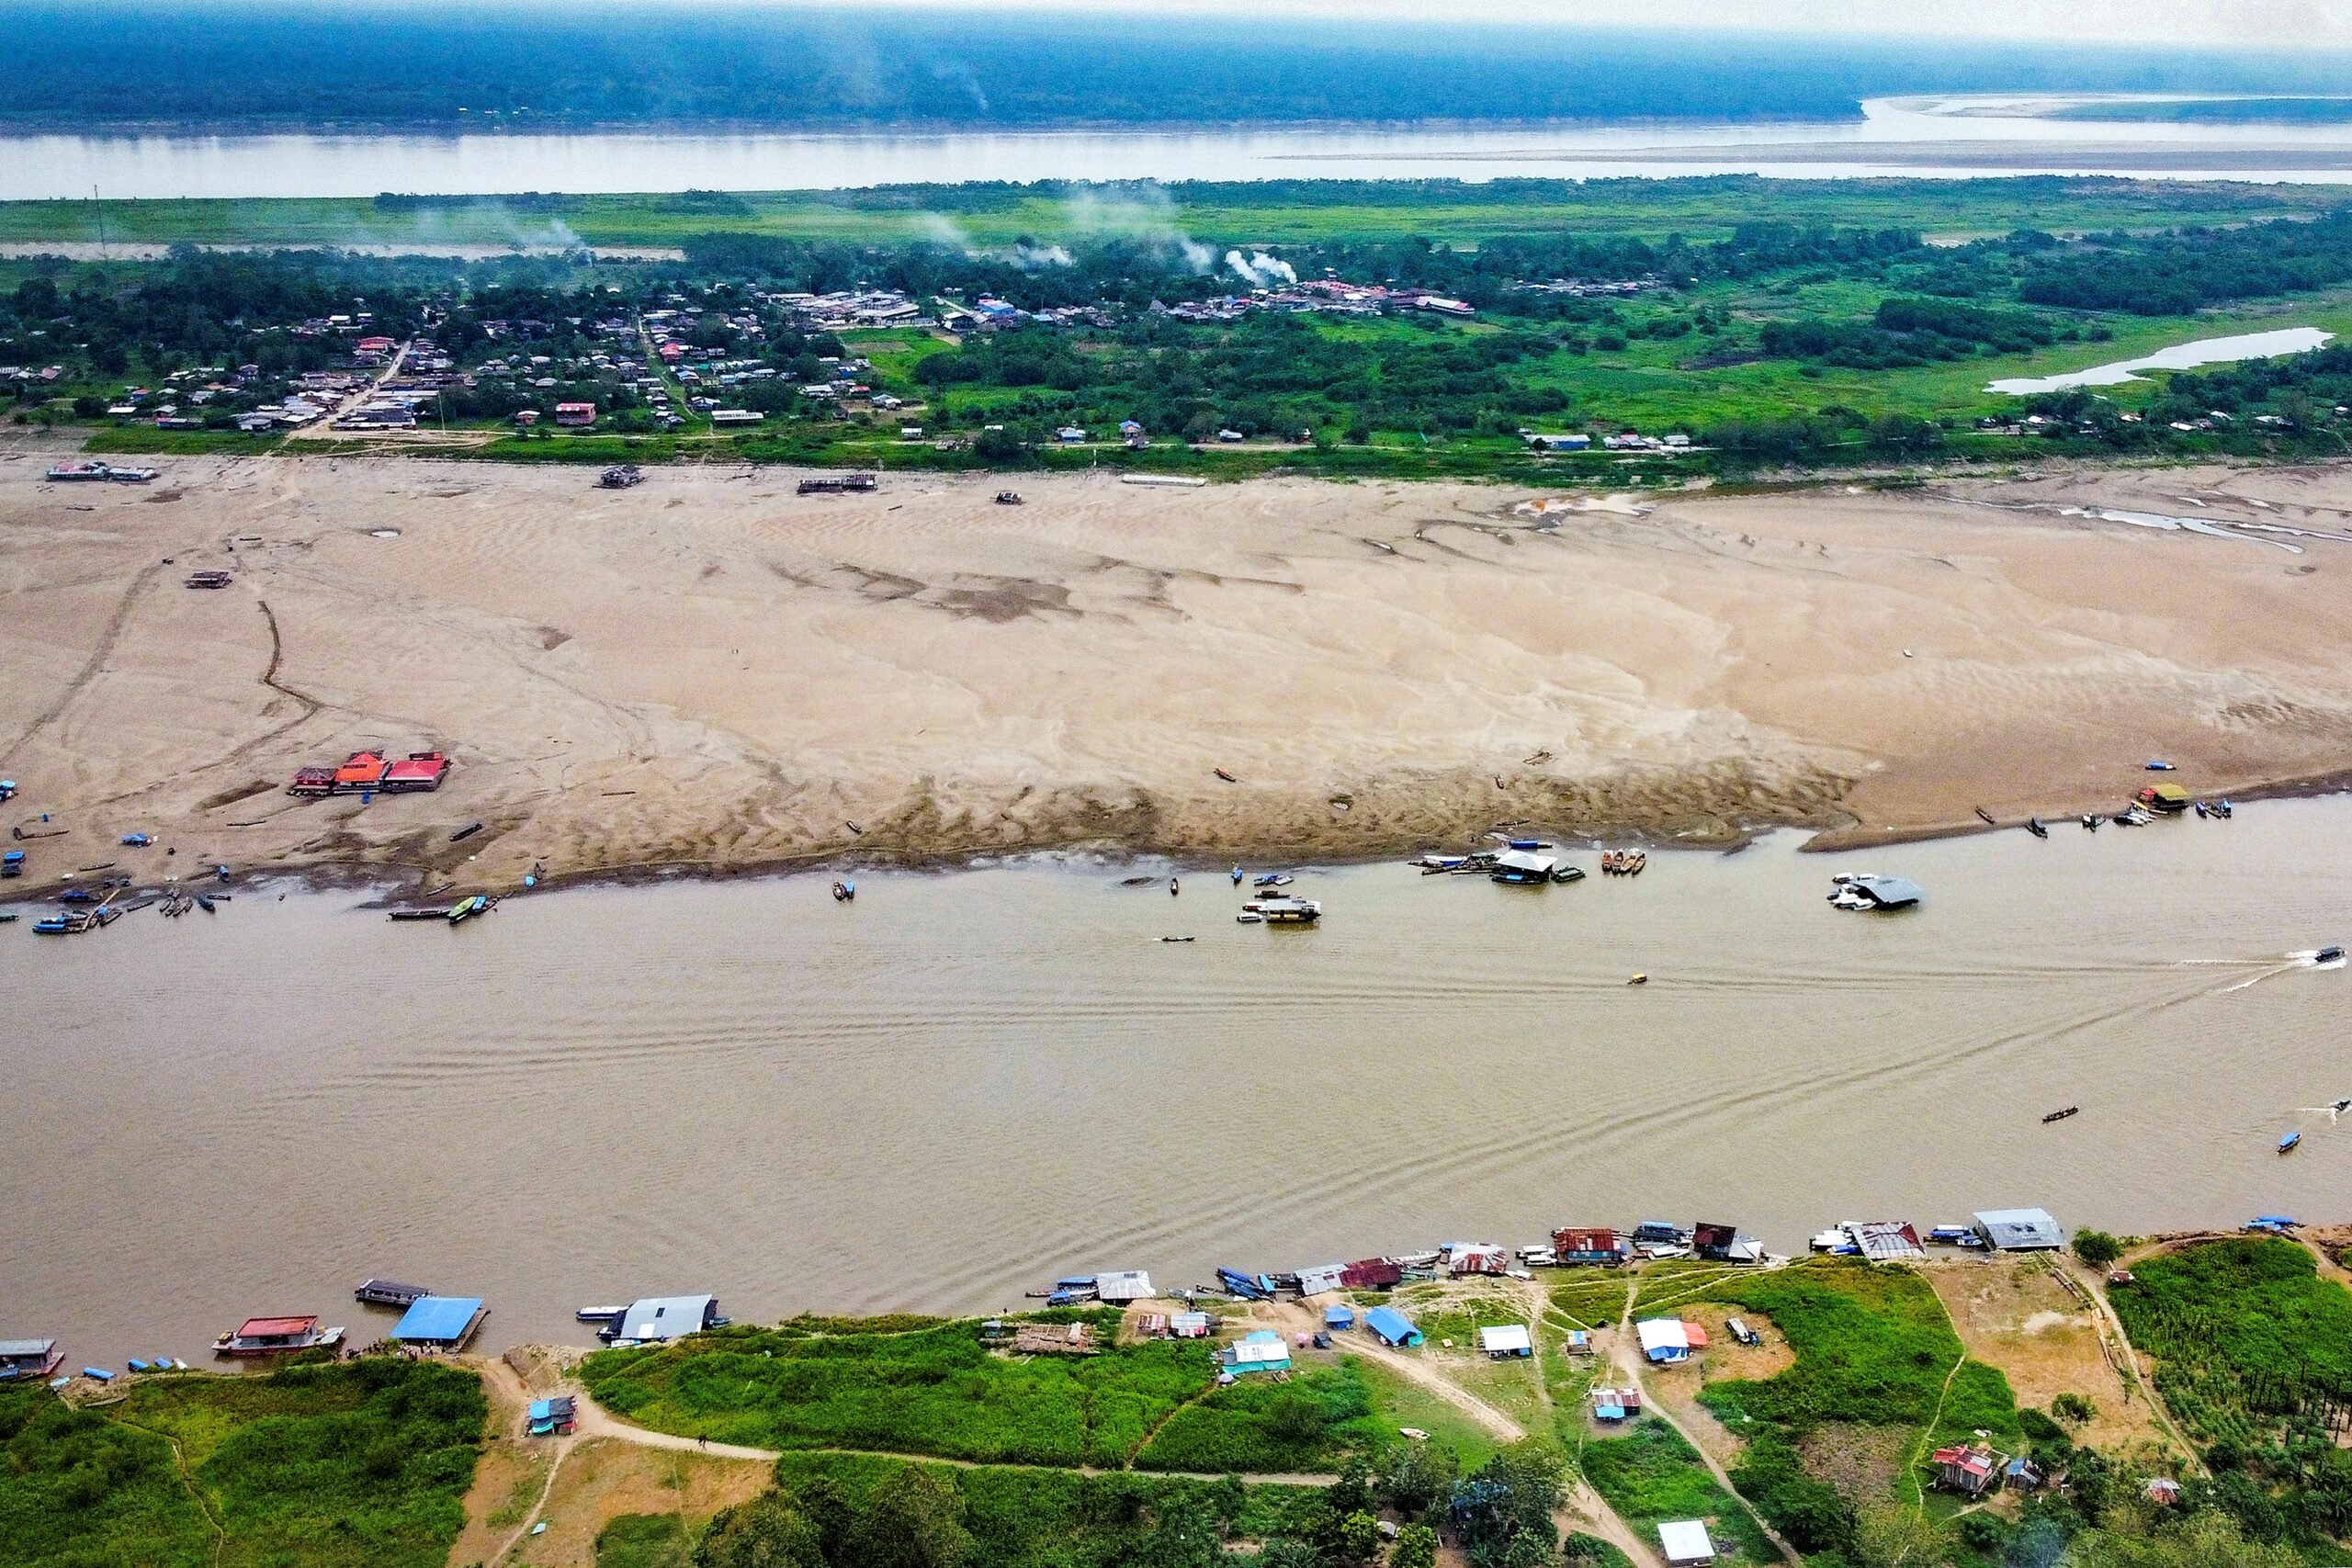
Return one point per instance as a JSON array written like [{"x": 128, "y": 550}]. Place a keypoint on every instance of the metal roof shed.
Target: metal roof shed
[
  {"x": 1506, "y": 1339},
  {"x": 1886, "y": 1241},
  {"x": 1323, "y": 1277},
  {"x": 1685, "y": 1542},
  {"x": 444, "y": 1323},
  {"x": 666, "y": 1317},
  {"x": 1889, "y": 892},
  {"x": 1123, "y": 1285},
  {"x": 1663, "y": 1339},
  {"x": 2020, "y": 1230}
]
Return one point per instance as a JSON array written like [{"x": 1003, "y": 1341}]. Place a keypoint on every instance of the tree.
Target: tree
[
  {"x": 2097, "y": 1248},
  {"x": 765, "y": 1532},
  {"x": 915, "y": 1519},
  {"x": 1358, "y": 1538},
  {"x": 1416, "y": 1548},
  {"x": 1420, "y": 1476}
]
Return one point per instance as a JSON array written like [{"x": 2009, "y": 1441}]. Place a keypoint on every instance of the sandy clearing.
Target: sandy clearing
[{"x": 710, "y": 671}]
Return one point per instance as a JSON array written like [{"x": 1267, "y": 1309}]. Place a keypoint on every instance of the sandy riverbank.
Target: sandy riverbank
[{"x": 710, "y": 670}]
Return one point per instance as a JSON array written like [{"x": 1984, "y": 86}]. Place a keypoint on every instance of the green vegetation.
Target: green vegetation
[
  {"x": 1587, "y": 1298},
  {"x": 1651, "y": 1475},
  {"x": 1260, "y": 1426},
  {"x": 936, "y": 1391},
  {"x": 2254, "y": 1356},
  {"x": 361, "y": 1462},
  {"x": 645, "y": 1541},
  {"x": 1044, "y": 1518},
  {"x": 1398, "y": 1402}
]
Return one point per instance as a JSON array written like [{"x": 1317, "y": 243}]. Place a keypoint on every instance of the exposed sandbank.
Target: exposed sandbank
[{"x": 709, "y": 671}]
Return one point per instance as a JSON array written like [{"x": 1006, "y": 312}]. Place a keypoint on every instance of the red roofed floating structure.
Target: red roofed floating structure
[
  {"x": 1592, "y": 1245},
  {"x": 1372, "y": 1274},
  {"x": 275, "y": 1336},
  {"x": 417, "y": 771},
  {"x": 365, "y": 771}
]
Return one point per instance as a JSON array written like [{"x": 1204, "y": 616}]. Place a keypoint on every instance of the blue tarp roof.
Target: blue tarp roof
[
  {"x": 1390, "y": 1324},
  {"x": 436, "y": 1317},
  {"x": 1338, "y": 1316}
]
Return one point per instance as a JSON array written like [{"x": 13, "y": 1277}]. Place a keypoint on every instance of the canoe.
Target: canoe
[{"x": 2287, "y": 1144}]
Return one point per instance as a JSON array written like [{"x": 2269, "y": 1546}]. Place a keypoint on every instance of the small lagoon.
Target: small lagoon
[{"x": 2179, "y": 356}]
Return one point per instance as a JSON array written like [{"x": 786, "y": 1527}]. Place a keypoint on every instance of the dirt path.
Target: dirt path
[
  {"x": 1626, "y": 1356},
  {"x": 2095, "y": 1290}
]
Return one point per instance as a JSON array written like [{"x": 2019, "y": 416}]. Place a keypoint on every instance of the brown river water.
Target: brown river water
[{"x": 966, "y": 1083}]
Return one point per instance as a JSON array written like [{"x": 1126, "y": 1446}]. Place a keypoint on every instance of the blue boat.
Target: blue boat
[
  {"x": 2287, "y": 1144},
  {"x": 1249, "y": 1287},
  {"x": 2160, "y": 767},
  {"x": 137, "y": 1365},
  {"x": 98, "y": 1372},
  {"x": 136, "y": 840}
]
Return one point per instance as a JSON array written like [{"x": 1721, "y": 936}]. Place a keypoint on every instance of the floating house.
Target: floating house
[
  {"x": 2020, "y": 1230},
  {"x": 1506, "y": 1342},
  {"x": 440, "y": 1323},
  {"x": 1523, "y": 868},
  {"x": 1121, "y": 1286},
  {"x": 1684, "y": 1544},
  {"x": 1885, "y": 1241},
  {"x": 1392, "y": 1327},
  {"x": 275, "y": 1336},
  {"x": 1664, "y": 1340},
  {"x": 29, "y": 1357},
  {"x": 659, "y": 1318},
  {"x": 1476, "y": 1257},
  {"x": 1373, "y": 1274},
  {"x": 389, "y": 1293},
  {"x": 1323, "y": 1277},
  {"x": 1263, "y": 1352},
  {"x": 1573, "y": 1245},
  {"x": 1724, "y": 1244},
  {"x": 1888, "y": 892}
]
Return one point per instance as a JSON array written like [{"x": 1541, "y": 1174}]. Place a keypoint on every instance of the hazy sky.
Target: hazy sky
[{"x": 2247, "y": 24}]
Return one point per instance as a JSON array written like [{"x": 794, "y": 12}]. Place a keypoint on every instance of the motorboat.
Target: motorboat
[
  {"x": 2091, "y": 819},
  {"x": 2033, "y": 825},
  {"x": 2061, "y": 1115},
  {"x": 2287, "y": 1144},
  {"x": 1249, "y": 918},
  {"x": 2329, "y": 954},
  {"x": 1272, "y": 879},
  {"x": 845, "y": 891},
  {"x": 1289, "y": 912}
]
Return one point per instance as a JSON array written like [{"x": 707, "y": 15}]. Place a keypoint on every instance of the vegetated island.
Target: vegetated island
[{"x": 2145, "y": 1403}]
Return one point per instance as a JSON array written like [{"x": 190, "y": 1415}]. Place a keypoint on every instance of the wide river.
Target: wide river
[
  {"x": 1956, "y": 136},
  {"x": 966, "y": 1083}
]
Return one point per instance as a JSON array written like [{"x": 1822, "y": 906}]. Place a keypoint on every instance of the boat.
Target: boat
[
  {"x": 1176, "y": 939},
  {"x": 1008, "y": 498},
  {"x": 2200, "y": 810},
  {"x": 466, "y": 908},
  {"x": 275, "y": 1336},
  {"x": 844, "y": 891},
  {"x": 138, "y": 840},
  {"x": 389, "y": 1293},
  {"x": 1519, "y": 868},
  {"x": 77, "y": 895},
  {"x": 2287, "y": 1144},
  {"x": 1568, "y": 873},
  {"x": 8, "y": 918},
  {"x": 1434, "y": 865},
  {"x": 434, "y": 913},
  {"x": 1249, "y": 918},
  {"x": 1639, "y": 980},
  {"x": 2091, "y": 819},
  {"x": 2154, "y": 766},
  {"x": 1225, "y": 776},
  {"x": 599, "y": 1313},
  {"x": 1237, "y": 876},
  {"x": 2328, "y": 955},
  {"x": 2221, "y": 809},
  {"x": 204, "y": 902},
  {"x": 2033, "y": 825},
  {"x": 99, "y": 473},
  {"x": 1289, "y": 912},
  {"x": 1987, "y": 817},
  {"x": 468, "y": 831},
  {"x": 2061, "y": 1115},
  {"x": 1272, "y": 879}
]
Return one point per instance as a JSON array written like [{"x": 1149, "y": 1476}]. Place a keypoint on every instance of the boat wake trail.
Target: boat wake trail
[{"x": 2308, "y": 958}]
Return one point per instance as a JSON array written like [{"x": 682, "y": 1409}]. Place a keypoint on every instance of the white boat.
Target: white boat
[
  {"x": 1249, "y": 918},
  {"x": 1289, "y": 911}
]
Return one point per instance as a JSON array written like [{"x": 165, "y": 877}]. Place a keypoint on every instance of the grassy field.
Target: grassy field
[
  {"x": 1277, "y": 212},
  {"x": 361, "y": 1463},
  {"x": 1651, "y": 1475},
  {"x": 1399, "y": 1403},
  {"x": 2244, "y": 1333},
  {"x": 934, "y": 1391},
  {"x": 1034, "y": 1519},
  {"x": 1260, "y": 1426}
]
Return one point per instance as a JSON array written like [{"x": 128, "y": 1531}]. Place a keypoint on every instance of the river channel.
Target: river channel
[
  {"x": 965, "y": 1083},
  {"x": 1958, "y": 136}
]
